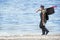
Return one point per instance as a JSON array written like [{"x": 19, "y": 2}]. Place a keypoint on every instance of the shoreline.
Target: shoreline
[{"x": 31, "y": 37}]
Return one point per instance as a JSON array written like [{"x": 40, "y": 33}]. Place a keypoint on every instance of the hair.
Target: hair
[{"x": 42, "y": 6}]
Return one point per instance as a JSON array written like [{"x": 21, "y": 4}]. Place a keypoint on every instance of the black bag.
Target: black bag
[
  {"x": 47, "y": 17},
  {"x": 50, "y": 11}
]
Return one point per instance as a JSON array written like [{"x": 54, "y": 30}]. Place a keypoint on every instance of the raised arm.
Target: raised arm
[{"x": 38, "y": 10}]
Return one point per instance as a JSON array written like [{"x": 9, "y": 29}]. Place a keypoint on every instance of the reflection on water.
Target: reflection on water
[{"x": 20, "y": 16}]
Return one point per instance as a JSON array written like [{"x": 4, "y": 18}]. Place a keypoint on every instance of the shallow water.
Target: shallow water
[{"x": 20, "y": 17}]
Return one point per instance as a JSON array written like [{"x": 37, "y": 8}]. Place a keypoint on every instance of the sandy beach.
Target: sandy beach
[{"x": 30, "y": 37}]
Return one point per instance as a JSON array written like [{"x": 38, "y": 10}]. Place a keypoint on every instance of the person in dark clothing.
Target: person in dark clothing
[{"x": 44, "y": 17}]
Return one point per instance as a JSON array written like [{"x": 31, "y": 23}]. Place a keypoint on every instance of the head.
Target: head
[{"x": 42, "y": 7}]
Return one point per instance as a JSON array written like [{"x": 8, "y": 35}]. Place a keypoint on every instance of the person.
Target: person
[{"x": 44, "y": 17}]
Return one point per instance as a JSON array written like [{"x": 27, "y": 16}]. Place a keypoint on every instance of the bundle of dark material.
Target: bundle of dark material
[{"x": 50, "y": 11}]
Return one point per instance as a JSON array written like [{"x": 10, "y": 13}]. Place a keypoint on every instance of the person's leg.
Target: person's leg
[
  {"x": 46, "y": 30},
  {"x": 43, "y": 31},
  {"x": 42, "y": 28}
]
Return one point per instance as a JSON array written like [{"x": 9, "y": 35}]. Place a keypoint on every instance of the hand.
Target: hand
[{"x": 54, "y": 6}]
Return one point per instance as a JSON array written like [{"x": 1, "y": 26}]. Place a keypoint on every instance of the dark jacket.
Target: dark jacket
[{"x": 46, "y": 17}]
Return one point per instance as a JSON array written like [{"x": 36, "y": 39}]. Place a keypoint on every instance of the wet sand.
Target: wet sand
[{"x": 31, "y": 37}]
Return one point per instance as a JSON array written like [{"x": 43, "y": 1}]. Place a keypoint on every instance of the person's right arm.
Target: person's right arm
[{"x": 38, "y": 10}]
